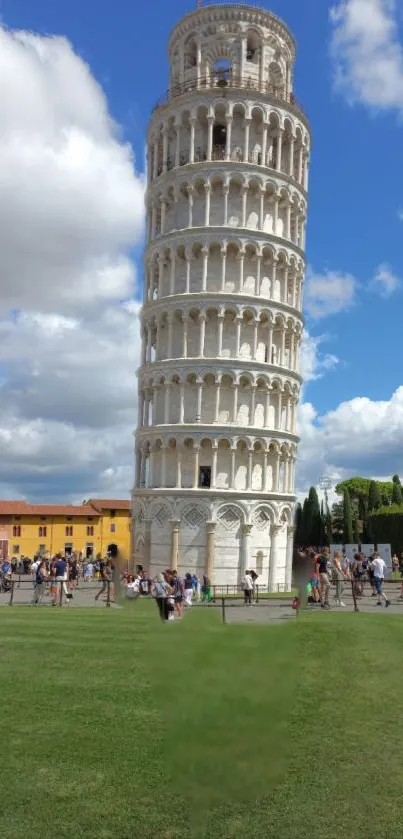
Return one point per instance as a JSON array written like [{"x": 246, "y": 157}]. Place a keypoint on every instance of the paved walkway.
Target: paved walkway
[{"x": 83, "y": 596}]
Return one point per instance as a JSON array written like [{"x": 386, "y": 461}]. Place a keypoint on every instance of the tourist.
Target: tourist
[
  {"x": 132, "y": 587},
  {"x": 41, "y": 578},
  {"x": 378, "y": 567},
  {"x": 196, "y": 586},
  {"x": 188, "y": 589},
  {"x": 178, "y": 593},
  {"x": 145, "y": 585},
  {"x": 60, "y": 571},
  {"x": 161, "y": 591},
  {"x": 73, "y": 575},
  {"x": 34, "y": 567},
  {"x": 88, "y": 571},
  {"x": 206, "y": 589},
  {"x": 339, "y": 577},
  {"x": 247, "y": 585},
  {"x": 323, "y": 571},
  {"x": 105, "y": 573},
  {"x": 255, "y": 577}
]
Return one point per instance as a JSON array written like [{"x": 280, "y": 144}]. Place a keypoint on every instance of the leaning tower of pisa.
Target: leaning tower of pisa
[{"x": 221, "y": 322}]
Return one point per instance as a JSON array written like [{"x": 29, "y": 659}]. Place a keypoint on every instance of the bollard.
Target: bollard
[
  {"x": 223, "y": 609},
  {"x": 108, "y": 596},
  {"x": 12, "y": 594}
]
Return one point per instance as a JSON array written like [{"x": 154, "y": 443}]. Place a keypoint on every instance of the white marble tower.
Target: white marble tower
[{"x": 221, "y": 324}]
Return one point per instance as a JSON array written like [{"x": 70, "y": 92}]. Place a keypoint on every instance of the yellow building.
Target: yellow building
[{"x": 97, "y": 526}]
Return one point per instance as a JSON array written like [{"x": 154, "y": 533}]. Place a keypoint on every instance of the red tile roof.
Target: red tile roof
[
  {"x": 20, "y": 508},
  {"x": 102, "y": 504}
]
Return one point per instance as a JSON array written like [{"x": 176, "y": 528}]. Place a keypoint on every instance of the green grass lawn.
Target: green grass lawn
[{"x": 116, "y": 726}]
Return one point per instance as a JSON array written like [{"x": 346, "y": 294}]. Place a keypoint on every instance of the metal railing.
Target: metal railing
[{"x": 226, "y": 79}]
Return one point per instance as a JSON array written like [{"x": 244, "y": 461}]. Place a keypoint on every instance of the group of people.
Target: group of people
[
  {"x": 171, "y": 592},
  {"x": 60, "y": 575},
  {"x": 321, "y": 570}
]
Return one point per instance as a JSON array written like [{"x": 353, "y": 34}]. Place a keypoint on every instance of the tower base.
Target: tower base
[{"x": 219, "y": 537}]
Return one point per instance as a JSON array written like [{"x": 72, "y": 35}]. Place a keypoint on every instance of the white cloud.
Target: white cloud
[
  {"x": 329, "y": 293},
  {"x": 359, "y": 437},
  {"x": 384, "y": 281},
  {"x": 367, "y": 52},
  {"x": 400, "y": 214},
  {"x": 71, "y": 210},
  {"x": 315, "y": 363}
]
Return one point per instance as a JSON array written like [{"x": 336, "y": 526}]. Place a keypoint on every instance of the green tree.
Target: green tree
[
  {"x": 297, "y": 523},
  {"x": 397, "y": 497},
  {"x": 386, "y": 500},
  {"x": 347, "y": 518},
  {"x": 359, "y": 488},
  {"x": 303, "y": 540},
  {"x": 374, "y": 497},
  {"x": 313, "y": 520}
]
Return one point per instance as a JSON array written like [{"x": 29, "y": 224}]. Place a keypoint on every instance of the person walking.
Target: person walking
[
  {"x": 323, "y": 571},
  {"x": 339, "y": 577},
  {"x": 178, "y": 591},
  {"x": 206, "y": 589},
  {"x": 188, "y": 589},
  {"x": 247, "y": 585},
  {"x": 60, "y": 571},
  {"x": 41, "y": 578},
  {"x": 378, "y": 567},
  {"x": 161, "y": 591},
  {"x": 106, "y": 574}
]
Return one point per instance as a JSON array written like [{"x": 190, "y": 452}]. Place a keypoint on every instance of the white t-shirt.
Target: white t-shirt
[
  {"x": 378, "y": 566},
  {"x": 132, "y": 589},
  {"x": 248, "y": 582},
  {"x": 34, "y": 567}
]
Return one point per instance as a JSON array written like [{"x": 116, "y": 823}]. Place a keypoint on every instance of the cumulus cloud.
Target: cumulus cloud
[
  {"x": 359, "y": 437},
  {"x": 385, "y": 282},
  {"x": 71, "y": 211},
  {"x": 314, "y": 362},
  {"x": 367, "y": 52},
  {"x": 329, "y": 293}
]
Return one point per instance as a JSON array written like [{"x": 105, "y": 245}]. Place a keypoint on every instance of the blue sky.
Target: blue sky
[{"x": 353, "y": 289}]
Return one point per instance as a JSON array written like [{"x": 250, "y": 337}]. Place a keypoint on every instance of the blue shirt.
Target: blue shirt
[{"x": 60, "y": 567}]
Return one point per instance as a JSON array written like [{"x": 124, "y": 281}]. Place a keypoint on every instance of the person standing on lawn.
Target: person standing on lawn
[
  {"x": 247, "y": 585},
  {"x": 378, "y": 567},
  {"x": 60, "y": 572},
  {"x": 161, "y": 591},
  {"x": 178, "y": 592},
  {"x": 339, "y": 575},
  {"x": 106, "y": 574},
  {"x": 41, "y": 578},
  {"x": 323, "y": 571}
]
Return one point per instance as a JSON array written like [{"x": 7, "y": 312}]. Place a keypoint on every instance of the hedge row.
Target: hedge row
[{"x": 386, "y": 526}]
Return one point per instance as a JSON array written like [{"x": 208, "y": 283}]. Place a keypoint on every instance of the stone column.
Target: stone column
[
  {"x": 228, "y": 145},
  {"x": 170, "y": 333},
  {"x": 174, "y": 560},
  {"x": 261, "y": 210},
  {"x": 252, "y": 406},
  {"x": 210, "y": 549},
  {"x": 275, "y": 215},
  {"x": 300, "y": 164},
  {"x": 190, "y": 197},
  {"x": 255, "y": 330},
  {"x": 210, "y": 121},
  {"x": 267, "y": 412},
  {"x": 182, "y": 403},
  {"x": 178, "y": 467},
  {"x": 289, "y": 558},
  {"x": 225, "y": 193},
  {"x": 241, "y": 259},
  {"x": 207, "y": 189},
  {"x": 288, "y": 221},
  {"x": 246, "y": 146},
  {"x": 244, "y": 200},
  {"x": 192, "y": 140},
  {"x": 220, "y": 333},
  {"x": 202, "y": 321},
  {"x": 246, "y": 531},
  {"x": 185, "y": 336},
  {"x": 291, "y": 166},
  {"x": 279, "y": 150},
  {"x": 205, "y": 255},
  {"x": 264, "y": 144},
  {"x": 178, "y": 145},
  {"x": 214, "y": 465},
  {"x": 199, "y": 399},
  {"x": 233, "y": 464},
  {"x": 258, "y": 273},
  {"x": 166, "y": 405},
  {"x": 264, "y": 486},
  {"x": 172, "y": 281},
  {"x": 238, "y": 321},
  {"x": 188, "y": 264},
  {"x": 276, "y": 472},
  {"x": 163, "y": 466},
  {"x": 196, "y": 468},
  {"x": 274, "y": 531},
  {"x": 217, "y": 401},
  {"x": 250, "y": 470},
  {"x": 283, "y": 334},
  {"x": 223, "y": 266}
]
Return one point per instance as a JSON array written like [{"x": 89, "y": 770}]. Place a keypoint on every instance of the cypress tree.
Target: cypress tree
[
  {"x": 297, "y": 523},
  {"x": 397, "y": 494},
  {"x": 374, "y": 497},
  {"x": 397, "y": 497},
  {"x": 313, "y": 523},
  {"x": 347, "y": 519},
  {"x": 303, "y": 525},
  {"x": 385, "y": 500}
]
